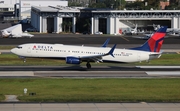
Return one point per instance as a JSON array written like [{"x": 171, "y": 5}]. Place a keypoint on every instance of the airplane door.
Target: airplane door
[
  {"x": 29, "y": 50},
  {"x": 139, "y": 57}
]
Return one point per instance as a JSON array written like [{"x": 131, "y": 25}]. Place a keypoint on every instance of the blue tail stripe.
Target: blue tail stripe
[{"x": 144, "y": 47}]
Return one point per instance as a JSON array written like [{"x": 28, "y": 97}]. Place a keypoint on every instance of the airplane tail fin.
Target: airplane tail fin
[
  {"x": 154, "y": 43},
  {"x": 136, "y": 27}
]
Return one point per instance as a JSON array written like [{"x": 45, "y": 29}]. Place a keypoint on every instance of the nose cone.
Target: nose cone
[{"x": 13, "y": 50}]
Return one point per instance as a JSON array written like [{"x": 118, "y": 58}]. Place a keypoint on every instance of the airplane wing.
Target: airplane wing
[
  {"x": 106, "y": 43},
  {"x": 14, "y": 36},
  {"x": 97, "y": 58}
]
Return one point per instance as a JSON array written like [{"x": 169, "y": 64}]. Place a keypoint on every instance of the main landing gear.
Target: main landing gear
[
  {"x": 88, "y": 65},
  {"x": 24, "y": 58}
]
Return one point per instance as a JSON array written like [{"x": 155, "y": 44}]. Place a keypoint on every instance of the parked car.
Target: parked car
[
  {"x": 31, "y": 29},
  {"x": 100, "y": 33}
]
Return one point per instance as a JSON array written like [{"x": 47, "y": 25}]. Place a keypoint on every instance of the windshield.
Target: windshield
[{"x": 19, "y": 47}]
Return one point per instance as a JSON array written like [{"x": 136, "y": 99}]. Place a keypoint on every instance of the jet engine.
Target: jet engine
[{"x": 73, "y": 60}]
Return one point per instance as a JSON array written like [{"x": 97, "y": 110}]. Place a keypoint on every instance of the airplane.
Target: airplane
[
  {"x": 73, "y": 54},
  {"x": 156, "y": 27},
  {"x": 144, "y": 37},
  {"x": 6, "y": 34},
  {"x": 134, "y": 31},
  {"x": 15, "y": 32},
  {"x": 174, "y": 34},
  {"x": 170, "y": 31},
  {"x": 173, "y": 31}
]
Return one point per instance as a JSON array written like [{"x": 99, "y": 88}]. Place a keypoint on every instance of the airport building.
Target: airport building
[
  {"x": 55, "y": 16},
  {"x": 24, "y": 6},
  {"x": 7, "y": 8},
  {"x": 21, "y": 9},
  {"x": 51, "y": 19}
]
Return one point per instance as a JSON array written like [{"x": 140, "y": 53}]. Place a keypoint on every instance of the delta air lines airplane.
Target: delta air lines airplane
[{"x": 77, "y": 54}]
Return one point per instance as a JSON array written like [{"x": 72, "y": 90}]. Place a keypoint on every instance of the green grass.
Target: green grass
[
  {"x": 6, "y": 47},
  {"x": 11, "y": 59},
  {"x": 165, "y": 59},
  {"x": 93, "y": 90}
]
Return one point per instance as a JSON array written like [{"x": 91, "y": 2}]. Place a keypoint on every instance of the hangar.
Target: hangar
[
  {"x": 55, "y": 19},
  {"x": 50, "y": 19}
]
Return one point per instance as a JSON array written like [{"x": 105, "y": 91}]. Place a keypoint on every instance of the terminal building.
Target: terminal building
[
  {"x": 54, "y": 16},
  {"x": 51, "y": 19}
]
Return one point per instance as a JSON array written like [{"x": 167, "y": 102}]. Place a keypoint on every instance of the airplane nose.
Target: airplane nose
[{"x": 13, "y": 50}]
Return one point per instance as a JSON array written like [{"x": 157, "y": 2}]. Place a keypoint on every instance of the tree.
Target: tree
[
  {"x": 64, "y": 24},
  {"x": 69, "y": 24},
  {"x": 135, "y": 6},
  {"x": 74, "y": 4},
  {"x": 119, "y": 4},
  {"x": 173, "y": 6},
  {"x": 109, "y": 3},
  {"x": 155, "y": 4},
  {"x": 97, "y": 5},
  {"x": 87, "y": 24},
  {"x": 113, "y": 4}
]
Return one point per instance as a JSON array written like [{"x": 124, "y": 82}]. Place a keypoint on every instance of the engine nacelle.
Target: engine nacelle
[{"x": 73, "y": 60}]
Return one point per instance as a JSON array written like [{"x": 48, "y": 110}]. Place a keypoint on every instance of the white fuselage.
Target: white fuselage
[{"x": 63, "y": 51}]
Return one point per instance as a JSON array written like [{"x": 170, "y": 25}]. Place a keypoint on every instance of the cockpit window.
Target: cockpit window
[{"x": 19, "y": 47}]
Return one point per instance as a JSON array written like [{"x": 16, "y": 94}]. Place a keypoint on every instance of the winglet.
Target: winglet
[
  {"x": 106, "y": 43},
  {"x": 112, "y": 50}
]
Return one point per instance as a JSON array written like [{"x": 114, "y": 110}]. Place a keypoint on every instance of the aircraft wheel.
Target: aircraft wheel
[
  {"x": 24, "y": 60},
  {"x": 88, "y": 65}
]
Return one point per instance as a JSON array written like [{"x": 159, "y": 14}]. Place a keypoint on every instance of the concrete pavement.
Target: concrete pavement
[{"x": 90, "y": 106}]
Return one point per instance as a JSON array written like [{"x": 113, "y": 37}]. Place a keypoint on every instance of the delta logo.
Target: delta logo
[{"x": 42, "y": 47}]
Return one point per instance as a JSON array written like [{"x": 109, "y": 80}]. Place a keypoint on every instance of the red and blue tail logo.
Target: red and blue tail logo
[{"x": 154, "y": 43}]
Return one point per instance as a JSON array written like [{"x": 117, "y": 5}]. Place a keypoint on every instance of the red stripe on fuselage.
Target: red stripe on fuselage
[{"x": 153, "y": 39}]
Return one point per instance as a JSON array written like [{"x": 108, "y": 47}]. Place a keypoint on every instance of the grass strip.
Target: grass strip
[
  {"x": 93, "y": 90},
  {"x": 6, "y": 47},
  {"x": 11, "y": 59}
]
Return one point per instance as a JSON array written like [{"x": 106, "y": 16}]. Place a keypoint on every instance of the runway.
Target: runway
[
  {"x": 95, "y": 72},
  {"x": 90, "y": 107},
  {"x": 113, "y": 71},
  {"x": 79, "y": 39}
]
